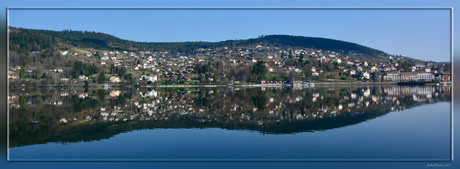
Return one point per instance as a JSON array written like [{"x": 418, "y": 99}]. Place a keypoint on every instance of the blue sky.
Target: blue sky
[{"x": 421, "y": 34}]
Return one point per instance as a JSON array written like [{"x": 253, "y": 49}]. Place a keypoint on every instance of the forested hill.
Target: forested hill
[
  {"x": 23, "y": 40},
  {"x": 311, "y": 42}
]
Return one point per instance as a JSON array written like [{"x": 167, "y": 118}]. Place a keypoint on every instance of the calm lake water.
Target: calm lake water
[{"x": 320, "y": 123}]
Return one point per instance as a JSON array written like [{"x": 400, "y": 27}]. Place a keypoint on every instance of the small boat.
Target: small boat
[
  {"x": 107, "y": 86},
  {"x": 445, "y": 83}
]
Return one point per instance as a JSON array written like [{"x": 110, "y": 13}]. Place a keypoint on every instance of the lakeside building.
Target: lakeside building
[
  {"x": 445, "y": 77},
  {"x": 408, "y": 76},
  {"x": 12, "y": 75}
]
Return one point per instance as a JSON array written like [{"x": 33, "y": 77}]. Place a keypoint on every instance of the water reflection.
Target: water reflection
[{"x": 40, "y": 116}]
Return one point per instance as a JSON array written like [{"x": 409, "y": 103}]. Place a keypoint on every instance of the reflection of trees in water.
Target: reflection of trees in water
[
  {"x": 101, "y": 94},
  {"x": 40, "y": 118},
  {"x": 80, "y": 104}
]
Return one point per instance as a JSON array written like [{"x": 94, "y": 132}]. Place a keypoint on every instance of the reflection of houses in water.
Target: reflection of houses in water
[
  {"x": 272, "y": 88},
  {"x": 58, "y": 103},
  {"x": 115, "y": 93},
  {"x": 297, "y": 87},
  {"x": 280, "y": 105},
  {"x": 410, "y": 90},
  {"x": 83, "y": 95},
  {"x": 445, "y": 89},
  {"x": 12, "y": 98},
  {"x": 312, "y": 109},
  {"x": 367, "y": 93}
]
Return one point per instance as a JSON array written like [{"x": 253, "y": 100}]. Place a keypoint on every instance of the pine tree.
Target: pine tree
[
  {"x": 101, "y": 78},
  {"x": 21, "y": 73}
]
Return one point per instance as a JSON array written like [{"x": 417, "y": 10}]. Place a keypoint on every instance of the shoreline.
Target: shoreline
[{"x": 316, "y": 84}]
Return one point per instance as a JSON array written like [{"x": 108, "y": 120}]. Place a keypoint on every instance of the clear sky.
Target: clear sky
[{"x": 421, "y": 34}]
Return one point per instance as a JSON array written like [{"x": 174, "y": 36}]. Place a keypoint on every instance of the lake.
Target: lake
[{"x": 375, "y": 123}]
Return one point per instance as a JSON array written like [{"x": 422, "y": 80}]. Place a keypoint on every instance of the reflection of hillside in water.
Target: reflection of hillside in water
[{"x": 71, "y": 115}]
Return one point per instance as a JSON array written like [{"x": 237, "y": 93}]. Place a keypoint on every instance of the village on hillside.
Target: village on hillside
[{"x": 257, "y": 64}]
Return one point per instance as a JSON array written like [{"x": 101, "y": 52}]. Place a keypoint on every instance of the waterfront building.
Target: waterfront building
[{"x": 408, "y": 76}]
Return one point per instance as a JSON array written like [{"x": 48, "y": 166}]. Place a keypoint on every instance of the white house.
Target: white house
[
  {"x": 105, "y": 58},
  {"x": 352, "y": 72},
  {"x": 366, "y": 75},
  {"x": 149, "y": 78},
  {"x": 83, "y": 77},
  {"x": 297, "y": 70},
  {"x": 427, "y": 70},
  {"x": 59, "y": 70},
  {"x": 315, "y": 73},
  {"x": 115, "y": 79},
  {"x": 115, "y": 93}
]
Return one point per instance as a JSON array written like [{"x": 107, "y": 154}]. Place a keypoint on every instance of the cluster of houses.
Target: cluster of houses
[{"x": 153, "y": 66}]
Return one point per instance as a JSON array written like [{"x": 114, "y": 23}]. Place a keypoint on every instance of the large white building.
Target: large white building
[{"x": 408, "y": 76}]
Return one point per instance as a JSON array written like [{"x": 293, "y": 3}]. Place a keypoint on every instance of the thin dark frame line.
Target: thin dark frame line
[
  {"x": 220, "y": 160},
  {"x": 222, "y": 8},
  {"x": 251, "y": 8},
  {"x": 7, "y": 86},
  {"x": 452, "y": 83}
]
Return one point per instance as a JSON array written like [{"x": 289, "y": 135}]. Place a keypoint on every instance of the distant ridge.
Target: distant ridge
[{"x": 102, "y": 41}]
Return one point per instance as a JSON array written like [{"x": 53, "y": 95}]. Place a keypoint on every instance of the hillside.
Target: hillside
[
  {"x": 102, "y": 41},
  {"x": 58, "y": 57}
]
